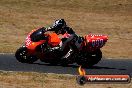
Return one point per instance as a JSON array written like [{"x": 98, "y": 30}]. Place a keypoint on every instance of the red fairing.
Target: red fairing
[
  {"x": 28, "y": 41},
  {"x": 30, "y": 44},
  {"x": 54, "y": 40},
  {"x": 95, "y": 41}
]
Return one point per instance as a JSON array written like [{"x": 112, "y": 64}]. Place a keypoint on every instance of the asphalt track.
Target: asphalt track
[{"x": 106, "y": 66}]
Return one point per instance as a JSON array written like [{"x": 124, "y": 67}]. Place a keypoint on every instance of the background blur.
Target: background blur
[{"x": 110, "y": 17}]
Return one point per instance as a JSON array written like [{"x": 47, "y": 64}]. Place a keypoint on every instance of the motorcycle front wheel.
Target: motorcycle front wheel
[{"x": 21, "y": 56}]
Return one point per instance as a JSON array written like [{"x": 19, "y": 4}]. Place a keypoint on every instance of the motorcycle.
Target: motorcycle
[{"x": 38, "y": 43}]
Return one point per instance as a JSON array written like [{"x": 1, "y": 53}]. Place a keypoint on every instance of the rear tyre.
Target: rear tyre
[
  {"x": 64, "y": 63},
  {"x": 90, "y": 59},
  {"x": 21, "y": 56}
]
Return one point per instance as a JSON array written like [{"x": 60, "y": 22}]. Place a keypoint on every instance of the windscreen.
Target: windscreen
[{"x": 38, "y": 35}]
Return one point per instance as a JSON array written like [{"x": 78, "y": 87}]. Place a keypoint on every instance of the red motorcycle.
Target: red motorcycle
[{"x": 38, "y": 44}]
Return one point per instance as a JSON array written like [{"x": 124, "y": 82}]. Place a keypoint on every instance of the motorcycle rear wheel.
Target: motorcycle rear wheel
[
  {"x": 90, "y": 59},
  {"x": 21, "y": 56}
]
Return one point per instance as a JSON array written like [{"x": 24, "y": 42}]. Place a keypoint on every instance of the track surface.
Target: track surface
[{"x": 106, "y": 66}]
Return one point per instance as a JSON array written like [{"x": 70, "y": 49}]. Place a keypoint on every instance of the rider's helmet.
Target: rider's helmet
[{"x": 59, "y": 25}]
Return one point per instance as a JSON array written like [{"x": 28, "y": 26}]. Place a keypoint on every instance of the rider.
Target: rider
[{"x": 60, "y": 27}]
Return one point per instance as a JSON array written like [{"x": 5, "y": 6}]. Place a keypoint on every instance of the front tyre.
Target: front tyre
[{"x": 21, "y": 56}]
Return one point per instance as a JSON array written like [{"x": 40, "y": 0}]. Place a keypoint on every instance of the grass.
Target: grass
[
  {"x": 34, "y": 80},
  {"x": 111, "y": 17},
  {"x": 46, "y": 80}
]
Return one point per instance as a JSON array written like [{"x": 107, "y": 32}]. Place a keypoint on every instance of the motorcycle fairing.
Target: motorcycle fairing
[
  {"x": 95, "y": 41},
  {"x": 30, "y": 44},
  {"x": 53, "y": 40}
]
